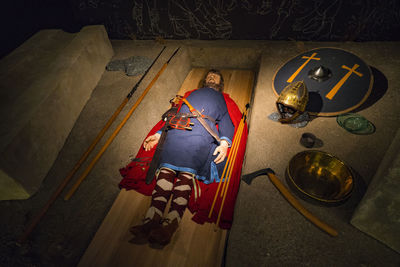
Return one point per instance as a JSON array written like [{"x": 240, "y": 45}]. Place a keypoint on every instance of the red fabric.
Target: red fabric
[{"x": 134, "y": 175}]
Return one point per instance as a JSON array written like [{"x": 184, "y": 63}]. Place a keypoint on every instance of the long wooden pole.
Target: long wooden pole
[
  {"x": 228, "y": 162},
  {"x": 115, "y": 133},
  {"x": 228, "y": 177},
  {"x": 222, "y": 176},
  {"x": 296, "y": 204},
  {"x": 290, "y": 198},
  {"x": 64, "y": 183},
  {"x": 232, "y": 162},
  {"x": 105, "y": 128}
]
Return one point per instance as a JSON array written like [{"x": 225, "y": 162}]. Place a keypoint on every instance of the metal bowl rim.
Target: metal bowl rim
[{"x": 347, "y": 195}]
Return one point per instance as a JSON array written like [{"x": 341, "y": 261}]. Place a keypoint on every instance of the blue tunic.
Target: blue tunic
[{"x": 192, "y": 151}]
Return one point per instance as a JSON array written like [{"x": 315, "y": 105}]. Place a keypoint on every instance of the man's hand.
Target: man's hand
[
  {"x": 151, "y": 141},
  {"x": 222, "y": 149}
]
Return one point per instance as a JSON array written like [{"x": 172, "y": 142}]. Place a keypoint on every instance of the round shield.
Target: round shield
[{"x": 337, "y": 80}]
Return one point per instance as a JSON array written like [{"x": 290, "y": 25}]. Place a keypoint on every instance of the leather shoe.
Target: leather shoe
[
  {"x": 141, "y": 232},
  {"x": 163, "y": 234}
]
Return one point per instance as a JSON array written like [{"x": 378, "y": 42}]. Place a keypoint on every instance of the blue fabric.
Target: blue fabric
[
  {"x": 227, "y": 139},
  {"x": 214, "y": 173},
  {"x": 194, "y": 149},
  {"x": 175, "y": 168}
]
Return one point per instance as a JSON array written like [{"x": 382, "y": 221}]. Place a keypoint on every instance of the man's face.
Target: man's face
[{"x": 213, "y": 78}]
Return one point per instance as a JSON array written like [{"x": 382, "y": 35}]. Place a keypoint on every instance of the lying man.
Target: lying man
[{"x": 189, "y": 159}]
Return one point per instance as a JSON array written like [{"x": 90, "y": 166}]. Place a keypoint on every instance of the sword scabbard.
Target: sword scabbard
[{"x": 156, "y": 157}]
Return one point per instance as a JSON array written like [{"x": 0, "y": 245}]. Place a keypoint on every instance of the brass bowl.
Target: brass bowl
[{"x": 321, "y": 176}]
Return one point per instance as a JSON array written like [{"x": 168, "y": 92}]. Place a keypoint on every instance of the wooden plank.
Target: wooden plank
[
  {"x": 238, "y": 84},
  {"x": 193, "y": 80},
  {"x": 192, "y": 244}
]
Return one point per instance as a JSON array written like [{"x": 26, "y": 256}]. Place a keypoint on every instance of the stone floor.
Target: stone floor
[{"x": 267, "y": 231}]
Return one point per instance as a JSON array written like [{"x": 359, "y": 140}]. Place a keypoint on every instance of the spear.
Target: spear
[
  {"x": 114, "y": 134},
  {"x": 64, "y": 183},
  {"x": 229, "y": 164}
]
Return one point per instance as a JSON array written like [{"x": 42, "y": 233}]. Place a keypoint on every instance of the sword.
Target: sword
[{"x": 156, "y": 157}]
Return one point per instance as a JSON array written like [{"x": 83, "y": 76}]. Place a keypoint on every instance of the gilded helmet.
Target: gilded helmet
[{"x": 292, "y": 101}]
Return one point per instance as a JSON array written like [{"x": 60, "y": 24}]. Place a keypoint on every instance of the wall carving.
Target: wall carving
[{"x": 316, "y": 20}]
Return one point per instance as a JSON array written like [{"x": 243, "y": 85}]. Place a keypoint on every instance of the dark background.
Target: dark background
[{"x": 305, "y": 20}]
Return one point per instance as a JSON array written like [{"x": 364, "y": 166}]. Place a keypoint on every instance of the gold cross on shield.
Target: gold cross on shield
[
  {"x": 336, "y": 88},
  {"x": 302, "y": 66}
]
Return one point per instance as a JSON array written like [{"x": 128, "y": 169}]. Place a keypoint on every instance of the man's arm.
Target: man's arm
[
  {"x": 226, "y": 128},
  {"x": 226, "y": 131},
  {"x": 151, "y": 141}
]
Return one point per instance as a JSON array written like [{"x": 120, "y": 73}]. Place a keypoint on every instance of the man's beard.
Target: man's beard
[{"x": 213, "y": 85}]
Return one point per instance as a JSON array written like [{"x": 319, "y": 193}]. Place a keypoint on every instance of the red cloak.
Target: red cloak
[{"x": 134, "y": 175}]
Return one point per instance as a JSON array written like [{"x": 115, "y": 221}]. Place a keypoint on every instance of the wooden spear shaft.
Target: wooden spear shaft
[
  {"x": 235, "y": 141},
  {"x": 225, "y": 189},
  {"x": 235, "y": 149},
  {"x": 105, "y": 128},
  {"x": 231, "y": 163},
  {"x": 223, "y": 175},
  {"x": 296, "y": 204},
  {"x": 116, "y": 131},
  {"x": 64, "y": 183}
]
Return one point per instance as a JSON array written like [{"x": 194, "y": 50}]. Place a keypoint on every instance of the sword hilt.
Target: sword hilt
[{"x": 191, "y": 108}]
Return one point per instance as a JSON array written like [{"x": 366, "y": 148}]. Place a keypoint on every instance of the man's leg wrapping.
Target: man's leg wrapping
[
  {"x": 159, "y": 199},
  {"x": 181, "y": 193},
  {"x": 161, "y": 192}
]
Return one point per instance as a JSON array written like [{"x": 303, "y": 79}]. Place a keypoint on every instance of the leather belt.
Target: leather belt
[{"x": 200, "y": 117}]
